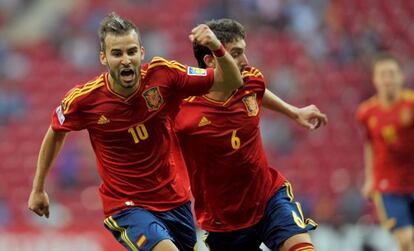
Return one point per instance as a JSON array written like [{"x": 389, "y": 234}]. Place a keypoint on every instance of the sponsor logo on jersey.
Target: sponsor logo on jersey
[
  {"x": 203, "y": 122},
  {"x": 153, "y": 98},
  {"x": 103, "y": 120},
  {"x": 194, "y": 71},
  {"x": 60, "y": 115},
  {"x": 251, "y": 105}
]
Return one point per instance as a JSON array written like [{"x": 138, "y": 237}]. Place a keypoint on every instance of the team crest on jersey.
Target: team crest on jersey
[
  {"x": 153, "y": 98},
  {"x": 251, "y": 105},
  {"x": 406, "y": 116}
]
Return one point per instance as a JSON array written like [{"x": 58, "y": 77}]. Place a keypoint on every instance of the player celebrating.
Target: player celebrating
[
  {"x": 388, "y": 118},
  {"x": 129, "y": 113},
  {"x": 238, "y": 198}
]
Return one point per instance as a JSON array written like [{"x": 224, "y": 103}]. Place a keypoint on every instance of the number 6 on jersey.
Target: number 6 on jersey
[
  {"x": 138, "y": 132},
  {"x": 235, "y": 141}
]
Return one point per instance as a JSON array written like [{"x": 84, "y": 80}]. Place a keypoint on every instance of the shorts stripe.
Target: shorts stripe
[
  {"x": 289, "y": 191},
  {"x": 111, "y": 223}
]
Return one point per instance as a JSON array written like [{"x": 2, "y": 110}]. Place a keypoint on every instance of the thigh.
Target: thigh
[
  {"x": 180, "y": 223},
  {"x": 283, "y": 219},
  {"x": 137, "y": 229},
  {"x": 394, "y": 210},
  {"x": 240, "y": 240}
]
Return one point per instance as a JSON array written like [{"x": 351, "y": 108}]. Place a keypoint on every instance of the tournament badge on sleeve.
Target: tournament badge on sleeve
[
  {"x": 251, "y": 105},
  {"x": 153, "y": 98}
]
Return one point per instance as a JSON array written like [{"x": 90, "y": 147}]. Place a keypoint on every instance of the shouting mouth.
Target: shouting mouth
[{"x": 127, "y": 75}]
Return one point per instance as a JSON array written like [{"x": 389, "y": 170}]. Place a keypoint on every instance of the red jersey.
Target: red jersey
[
  {"x": 230, "y": 178},
  {"x": 137, "y": 153},
  {"x": 391, "y": 132}
]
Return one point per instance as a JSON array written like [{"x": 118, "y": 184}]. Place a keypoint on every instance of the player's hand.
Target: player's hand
[
  {"x": 39, "y": 203},
  {"x": 367, "y": 190},
  {"x": 204, "y": 36},
  {"x": 310, "y": 117}
]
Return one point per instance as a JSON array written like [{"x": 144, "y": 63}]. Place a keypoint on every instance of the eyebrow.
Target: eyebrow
[{"x": 134, "y": 48}]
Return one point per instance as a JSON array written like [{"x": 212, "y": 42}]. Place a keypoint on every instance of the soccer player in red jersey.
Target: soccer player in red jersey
[
  {"x": 388, "y": 118},
  {"x": 129, "y": 113},
  {"x": 238, "y": 198}
]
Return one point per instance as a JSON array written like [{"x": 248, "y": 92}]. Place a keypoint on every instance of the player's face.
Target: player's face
[
  {"x": 123, "y": 56},
  {"x": 387, "y": 77},
  {"x": 237, "y": 51}
]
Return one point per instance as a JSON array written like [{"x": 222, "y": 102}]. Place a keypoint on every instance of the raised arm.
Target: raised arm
[
  {"x": 51, "y": 146},
  {"x": 227, "y": 76},
  {"x": 309, "y": 116}
]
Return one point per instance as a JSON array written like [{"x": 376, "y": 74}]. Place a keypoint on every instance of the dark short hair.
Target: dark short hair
[
  {"x": 384, "y": 56},
  {"x": 114, "y": 24},
  {"x": 226, "y": 30}
]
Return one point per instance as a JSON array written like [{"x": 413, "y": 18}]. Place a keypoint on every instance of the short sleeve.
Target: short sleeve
[
  {"x": 186, "y": 80},
  {"x": 67, "y": 116},
  {"x": 195, "y": 81},
  {"x": 362, "y": 118}
]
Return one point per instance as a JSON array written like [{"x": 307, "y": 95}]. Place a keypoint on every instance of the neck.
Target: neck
[
  {"x": 219, "y": 95},
  {"x": 389, "y": 99},
  {"x": 118, "y": 89}
]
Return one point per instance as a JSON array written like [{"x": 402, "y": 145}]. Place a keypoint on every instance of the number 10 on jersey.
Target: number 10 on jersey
[{"x": 139, "y": 132}]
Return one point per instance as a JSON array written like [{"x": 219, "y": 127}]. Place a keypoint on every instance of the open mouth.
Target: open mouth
[{"x": 127, "y": 75}]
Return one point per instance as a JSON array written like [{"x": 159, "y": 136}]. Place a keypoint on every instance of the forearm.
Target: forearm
[
  {"x": 227, "y": 75},
  {"x": 368, "y": 162},
  {"x": 274, "y": 103},
  {"x": 51, "y": 146}
]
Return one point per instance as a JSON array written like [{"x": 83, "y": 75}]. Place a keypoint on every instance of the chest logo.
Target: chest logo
[
  {"x": 389, "y": 134},
  {"x": 203, "y": 122},
  {"x": 251, "y": 105},
  {"x": 406, "y": 116},
  {"x": 153, "y": 98},
  {"x": 103, "y": 120}
]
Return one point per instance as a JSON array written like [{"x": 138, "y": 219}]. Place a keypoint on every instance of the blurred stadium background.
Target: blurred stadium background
[{"x": 310, "y": 52}]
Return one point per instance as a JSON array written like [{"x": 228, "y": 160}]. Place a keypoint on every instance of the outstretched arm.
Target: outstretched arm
[
  {"x": 227, "y": 76},
  {"x": 51, "y": 146},
  {"x": 309, "y": 117}
]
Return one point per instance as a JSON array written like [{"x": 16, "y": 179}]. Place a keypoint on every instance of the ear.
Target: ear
[
  {"x": 210, "y": 61},
  {"x": 102, "y": 58},
  {"x": 142, "y": 53}
]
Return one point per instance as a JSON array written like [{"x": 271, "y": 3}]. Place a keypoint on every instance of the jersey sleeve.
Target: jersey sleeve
[
  {"x": 67, "y": 116},
  {"x": 187, "y": 80},
  {"x": 253, "y": 77},
  {"x": 362, "y": 118}
]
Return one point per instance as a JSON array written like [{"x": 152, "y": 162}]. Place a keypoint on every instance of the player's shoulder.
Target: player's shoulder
[
  {"x": 368, "y": 105},
  {"x": 251, "y": 72},
  {"x": 408, "y": 95},
  {"x": 82, "y": 91},
  {"x": 159, "y": 63}
]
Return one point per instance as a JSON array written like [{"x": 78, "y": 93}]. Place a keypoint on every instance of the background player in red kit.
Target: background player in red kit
[
  {"x": 239, "y": 199},
  {"x": 388, "y": 118},
  {"x": 129, "y": 114}
]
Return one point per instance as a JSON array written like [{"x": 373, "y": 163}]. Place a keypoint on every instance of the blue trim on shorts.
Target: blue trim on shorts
[
  {"x": 399, "y": 210},
  {"x": 283, "y": 218},
  {"x": 138, "y": 229}
]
